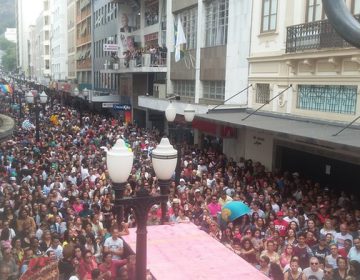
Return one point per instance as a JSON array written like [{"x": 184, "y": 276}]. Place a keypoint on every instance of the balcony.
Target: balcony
[
  {"x": 83, "y": 40},
  {"x": 83, "y": 64},
  {"x": 104, "y": 96},
  {"x": 313, "y": 36},
  {"x": 144, "y": 63}
]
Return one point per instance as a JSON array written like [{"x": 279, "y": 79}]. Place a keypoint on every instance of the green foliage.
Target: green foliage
[
  {"x": 7, "y": 15},
  {"x": 5, "y": 44},
  {"x": 8, "y": 60}
]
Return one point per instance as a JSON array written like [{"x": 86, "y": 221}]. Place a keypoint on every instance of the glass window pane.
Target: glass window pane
[
  {"x": 273, "y": 22},
  {"x": 318, "y": 11},
  {"x": 265, "y": 23},
  {"x": 266, "y": 7},
  {"x": 274, "y": 6},
  {"x": 356, "y": 7}
]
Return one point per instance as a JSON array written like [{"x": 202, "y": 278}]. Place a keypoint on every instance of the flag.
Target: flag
[
  {"x": 27, "y": 125},
  {"x": 6, "y": 88},
  {"x": 180, "y": 41}
]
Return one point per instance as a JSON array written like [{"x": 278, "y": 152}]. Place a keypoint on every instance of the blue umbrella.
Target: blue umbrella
[{"x": 233, "y": 210}]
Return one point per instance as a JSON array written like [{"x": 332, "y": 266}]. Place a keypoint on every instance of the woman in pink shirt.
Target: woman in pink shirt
[
  {"x": 214, "y": 207},
  {"x": 77, "y": 206}
]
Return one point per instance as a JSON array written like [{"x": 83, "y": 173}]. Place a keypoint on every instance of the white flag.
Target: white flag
[{"x": 180, "y": 39}]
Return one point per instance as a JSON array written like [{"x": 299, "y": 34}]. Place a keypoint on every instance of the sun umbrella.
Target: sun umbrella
[{"x": 233, "y": 210}]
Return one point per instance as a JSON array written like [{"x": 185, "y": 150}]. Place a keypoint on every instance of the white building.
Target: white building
[
  {"x": 215, "y": 67},
  {"x": 59, "y": 40},
  {"x": 10, "y": 34},
  {"x": 26, "y": 14},
  {"x": 40, "y": 47}
]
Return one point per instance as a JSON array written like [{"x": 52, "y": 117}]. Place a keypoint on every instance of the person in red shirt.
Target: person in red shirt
[
  {"x": 347, "y": 246},
  {"x": 280, "y": 224},
  {"x": 110, "y": 267},
  {"x": 322, "y": 214},
  {"x": 87, "y": 264}
]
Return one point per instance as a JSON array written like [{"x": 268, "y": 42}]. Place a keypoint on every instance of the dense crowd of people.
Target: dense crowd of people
[
  {"x": 157, "y": 54},
  {"x": 56, "y": 200}
]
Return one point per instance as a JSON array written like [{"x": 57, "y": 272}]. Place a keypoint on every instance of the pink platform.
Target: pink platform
[{"x": 182, "y": 251}]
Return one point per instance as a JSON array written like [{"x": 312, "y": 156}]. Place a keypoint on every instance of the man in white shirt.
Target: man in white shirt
[
  {"x": 313, "y": 270},
  {"x": 114, "y": 245},
  {"x": 354, "y": 253},
  {"x": 182, "y": 186},
  {"x": 341, "y": 236},
  {"x": 331, "y": 259},
  {"x": 291, "y": 217},
  {"x": 201, "y": 167},
  {"x": 56, "y": 248},
  {"x": 72, "y": 177}
]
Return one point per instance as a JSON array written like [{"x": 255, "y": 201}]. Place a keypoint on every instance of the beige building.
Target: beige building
[
  {"x": 303, "y": 103},
  {"x": 293, "y": 44}
]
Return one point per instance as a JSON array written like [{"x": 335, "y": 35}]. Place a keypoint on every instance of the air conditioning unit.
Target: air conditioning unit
[{"x": 159, "y": 91}]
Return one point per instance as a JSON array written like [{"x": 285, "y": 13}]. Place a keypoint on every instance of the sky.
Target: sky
[{"x": 33, "y": 9}]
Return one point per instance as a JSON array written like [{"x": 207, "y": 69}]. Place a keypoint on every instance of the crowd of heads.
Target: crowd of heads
[
  {"x": 57, "y": 201},
  {"x": 157, "y": 54}
]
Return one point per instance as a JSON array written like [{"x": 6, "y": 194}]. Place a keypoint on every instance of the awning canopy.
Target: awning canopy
[
  {"x": 182, "y": 251},
  {"x": 320, "y": 132}
]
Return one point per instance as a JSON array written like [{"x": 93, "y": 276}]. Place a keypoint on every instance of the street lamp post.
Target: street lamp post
[
  {"x": 170, "y": 114},
  {"x": 164, "y": 159},
  {"x": 78, "y": 96},
  {"x": 119, "y": 162},
  {"x": 119, "y": 155},
  {"x": 19, "y": 96},
  {"x": 32, "y": 98}
]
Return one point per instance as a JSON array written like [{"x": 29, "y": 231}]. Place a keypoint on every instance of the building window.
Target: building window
[
  {"x": 184, "y": 88},
  {"x": 214, "y": 90},
  {"x": 269, "y": 15},
  {"x": 216, "y": 22},
  {"x": 355, "y": 7},
  {"x": 314, "y": 10},
  {"x": 262, "y": 93},
  {"x": 323, "y": 98},
  {"x": 151, "y": 12},
  {"x": 189, "y": 22}
]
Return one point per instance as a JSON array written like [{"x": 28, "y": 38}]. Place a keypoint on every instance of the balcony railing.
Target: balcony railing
[
  {"x": 83, "y": 64},
  {"x": 145, "y": 60},
  {"x": 313, "y": 35}
]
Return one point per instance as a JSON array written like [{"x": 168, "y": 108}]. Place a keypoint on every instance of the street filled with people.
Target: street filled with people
[{"x": 57, "y": 204}]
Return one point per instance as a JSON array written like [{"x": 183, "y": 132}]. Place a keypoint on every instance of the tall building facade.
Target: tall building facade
[
  {"x": 214, "y": 68},
  {"x": 83, "y": 44},
  {"x": 293, "y": 43},
  {"x": 303, "y": 102},
  {"x": 71, "y": 40},
  {"x": 23, "y": 21},
  {"x": 40, "y": 54},
  {"x": 10, "y": 34},
  {"x": 129, "y": 52},
  {"x": 59, "y": 41}
]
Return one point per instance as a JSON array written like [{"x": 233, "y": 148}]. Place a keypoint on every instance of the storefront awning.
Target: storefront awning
[{"x": 320, "y": 133}]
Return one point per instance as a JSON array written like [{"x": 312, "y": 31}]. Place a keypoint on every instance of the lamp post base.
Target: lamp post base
[
  {"x": 141, "y": 206},
  {"x": 164, "y": 190},
  {"x": 119, "y": 189}
]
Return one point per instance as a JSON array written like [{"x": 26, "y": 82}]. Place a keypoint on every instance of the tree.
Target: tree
[{"x": 8, "y": 60}]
